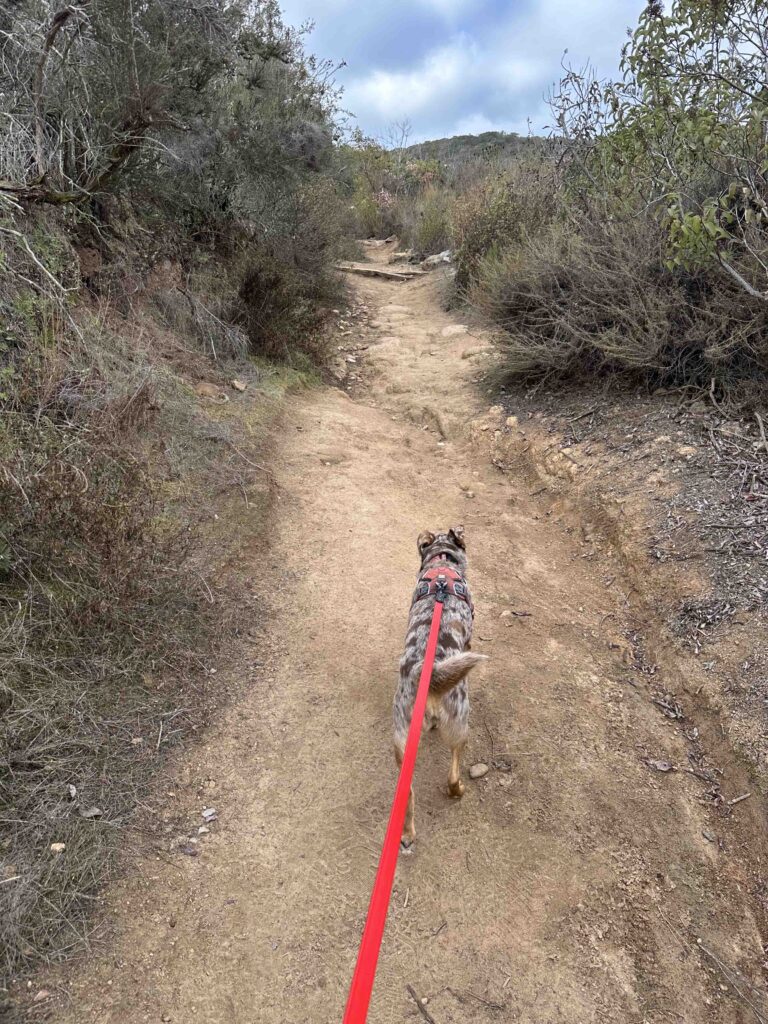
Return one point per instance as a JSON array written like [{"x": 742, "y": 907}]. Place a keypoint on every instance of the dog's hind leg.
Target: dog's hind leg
[
  {"x": 455, "y": 785},
  {"x": 454, "y": 731},
  {"x": 409, "y": 828}
]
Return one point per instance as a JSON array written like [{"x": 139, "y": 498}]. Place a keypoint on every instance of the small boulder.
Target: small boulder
[{"x": 437, "y": 260}]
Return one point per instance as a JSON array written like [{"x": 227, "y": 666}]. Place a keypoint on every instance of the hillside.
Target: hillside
[{"x": 501, "y": 147}]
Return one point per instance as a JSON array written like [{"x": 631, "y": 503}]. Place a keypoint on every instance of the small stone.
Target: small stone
[
  {"x": 57, "y": 848},
  {"x": 709, "y": 836},
  {"x": 209, "y": 815},
  {"x": 477, "y": 771},
  {"x": 238, "y": 385},
  {"x": 470, "y": 494},
  {"x": 507, "y": 614},
  {"x": 42, "y": 995},
  {"x": 90, "y": 812},
  {"x": 189, "y": 849},
  {"x": 71, "y": 791},
  {"x": 203, "y": 830},
  {"x": 136, "y": 741}
]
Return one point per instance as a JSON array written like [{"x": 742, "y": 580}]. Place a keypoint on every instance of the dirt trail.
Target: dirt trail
[{"x": 565, "y": 887}]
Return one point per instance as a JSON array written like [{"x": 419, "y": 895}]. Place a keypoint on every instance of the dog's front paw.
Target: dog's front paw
[
  {"x": 406, "y": 843},
  {"x": 456, "y": 789}
]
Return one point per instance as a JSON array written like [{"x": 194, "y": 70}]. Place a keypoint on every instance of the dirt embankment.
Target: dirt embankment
[
  {"x": 672, "y": 491},
  {"x": 600, "y": 872}
]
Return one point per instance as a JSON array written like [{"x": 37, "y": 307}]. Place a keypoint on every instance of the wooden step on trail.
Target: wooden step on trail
[{"x": 374, "y": 270}]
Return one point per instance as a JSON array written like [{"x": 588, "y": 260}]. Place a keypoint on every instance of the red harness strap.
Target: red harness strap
[
  {"x": 443, "y": 577},
  {"x": 370, "y": 944}
]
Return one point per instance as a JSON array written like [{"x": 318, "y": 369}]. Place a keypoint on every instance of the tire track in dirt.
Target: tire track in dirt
[{"x": 563, "y": 888}]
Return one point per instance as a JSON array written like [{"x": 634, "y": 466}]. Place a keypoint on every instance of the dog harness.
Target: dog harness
[{"x": 442, "y": 579}]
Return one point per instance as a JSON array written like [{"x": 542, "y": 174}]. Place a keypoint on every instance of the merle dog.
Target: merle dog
[{"x": 442, "y": 554}]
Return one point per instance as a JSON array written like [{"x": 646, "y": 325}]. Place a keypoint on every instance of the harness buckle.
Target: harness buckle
[{"x": 441, "y": 589}]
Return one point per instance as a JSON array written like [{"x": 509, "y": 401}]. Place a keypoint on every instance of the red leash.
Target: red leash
[{"x": 370, "y": 944}]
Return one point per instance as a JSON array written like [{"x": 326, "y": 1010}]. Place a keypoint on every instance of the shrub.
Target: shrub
[
  {"x": 589, "y": 298},
  {"x": 431, "y": 231},
  {"x": 648, "y": 253},
  {"x": 285, "y": 272},
  {"x": 500, "y": 211}
]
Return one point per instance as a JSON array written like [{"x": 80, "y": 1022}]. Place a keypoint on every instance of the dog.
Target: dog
[{"x": 448, "y": 697}]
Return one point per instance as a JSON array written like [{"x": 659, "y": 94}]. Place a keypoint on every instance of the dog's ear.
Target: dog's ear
[
  {"x": 456, "y": 533},
  {"x": 425, "y": 539}
]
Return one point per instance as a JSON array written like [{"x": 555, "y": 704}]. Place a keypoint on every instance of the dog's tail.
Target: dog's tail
[{"x": 450, "y": 671}]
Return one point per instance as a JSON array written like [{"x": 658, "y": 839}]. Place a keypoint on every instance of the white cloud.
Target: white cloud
[
  {"x": 450, "y": 64},
  {"x": 399, "y": 94}
]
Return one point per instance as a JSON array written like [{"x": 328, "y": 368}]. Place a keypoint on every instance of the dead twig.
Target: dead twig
[
  {"x": 583, "y": 415},
  {"x": 726, "y": 971},
  {"x": 420, "y": 1006},
  {"x": 254, "y": 465},
  {"x": 760, "y": 424},
  {"x": 738, "y": 799}
]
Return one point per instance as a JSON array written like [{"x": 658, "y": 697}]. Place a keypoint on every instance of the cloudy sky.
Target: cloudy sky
[{"x": 456, "y": 66}]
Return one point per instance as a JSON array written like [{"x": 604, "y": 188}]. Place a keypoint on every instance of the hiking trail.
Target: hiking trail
[{"x": 565, "y": 887}]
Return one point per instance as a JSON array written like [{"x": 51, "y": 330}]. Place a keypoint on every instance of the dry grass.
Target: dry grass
[
  {"x": 97, "y": 606},
  {"x": 586, "y": 299},
  {"x": 110, "y": 605}
]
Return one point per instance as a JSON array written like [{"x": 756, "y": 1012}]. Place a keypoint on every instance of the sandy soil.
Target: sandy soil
[{"x": 574, "y": 883}]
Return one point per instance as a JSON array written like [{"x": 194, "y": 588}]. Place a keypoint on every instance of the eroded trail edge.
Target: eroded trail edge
[{"x": 570, "y": 884}]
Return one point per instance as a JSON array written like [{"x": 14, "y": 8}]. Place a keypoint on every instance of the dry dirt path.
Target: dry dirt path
[{"x": 567, "y": 884}]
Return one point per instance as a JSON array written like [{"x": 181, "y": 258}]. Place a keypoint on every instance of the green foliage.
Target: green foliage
[
  {"x": 204, "y": 124},
  {"x": 391, "y": 191},
  {"x": 432, "y": 231},
  {"x": 651, "y": 255},
  {"x": 682, "y": 135}
]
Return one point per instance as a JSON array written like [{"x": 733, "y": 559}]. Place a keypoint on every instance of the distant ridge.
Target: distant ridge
[{"x": 487, "y": 146}]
